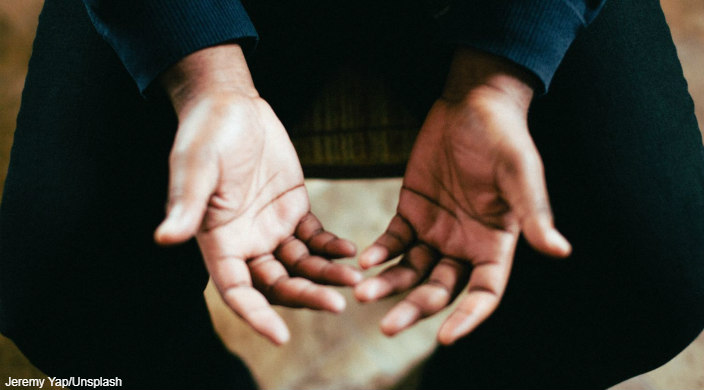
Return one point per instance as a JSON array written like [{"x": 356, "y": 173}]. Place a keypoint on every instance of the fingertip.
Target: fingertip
[
  {"x": 455, "y": 327},
  {"x": 347, "y": 248},
  {"x": 542, "y": 235},
  {"x": 166, "y": 234},
  {"x": 178, "y": 226},
  {"x": 281, "y": 338},
  {"x": 367, "y": 290},
  {"x": 562, "y": 248},
  {"x": 338, "y": 304},
  {"x": 399, "y": 318},
  {"x": 278, "y": 332},
  {"x": 166, "y": 237},
  {"x": 354, "y": 278},
  {"x": 340, "y": 248},
  {"x": 445, "y": 338},
  {"x": 372, "y": 256},
  {"x": 159, "y": 235},
  {"x": 341, "y": 308},
  {"x": 448, "y": 335},
  {"x": 342, "y": 275},
  {"x": 387, "y": 327},
  {"x": 360, "y": 295}
]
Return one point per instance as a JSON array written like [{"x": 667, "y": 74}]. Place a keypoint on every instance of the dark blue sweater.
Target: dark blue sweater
[{"x": 151, "y": 35}]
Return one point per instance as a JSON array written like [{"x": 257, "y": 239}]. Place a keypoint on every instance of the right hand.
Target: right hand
[
  {"x": 237, "y": 185},
  {"x": 473, "y": 182}
]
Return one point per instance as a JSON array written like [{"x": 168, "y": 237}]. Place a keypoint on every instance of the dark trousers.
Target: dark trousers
[{"x": 85, "y": 292}]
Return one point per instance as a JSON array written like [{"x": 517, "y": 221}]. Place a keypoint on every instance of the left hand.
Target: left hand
[
  {"x": 236, "y": 185},
  {"x": 474, "y": 181}
]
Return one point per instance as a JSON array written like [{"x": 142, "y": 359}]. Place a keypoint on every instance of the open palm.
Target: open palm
[
  {"x": 474, "y": 181},
  {"x": 236, "y": 184}
]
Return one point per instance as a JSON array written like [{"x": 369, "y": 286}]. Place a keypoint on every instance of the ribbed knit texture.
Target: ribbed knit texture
[
  {"x": 532, "y": 33},
  {"x": 151, "y": 35}
]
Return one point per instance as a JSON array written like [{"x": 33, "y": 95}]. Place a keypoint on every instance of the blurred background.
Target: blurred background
[{"x": 345, "y": 351}]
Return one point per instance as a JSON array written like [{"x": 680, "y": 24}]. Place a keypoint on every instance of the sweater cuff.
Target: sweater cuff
[
  {"x": 151, "y": 35},
  {"x": 532, "y": 33}
]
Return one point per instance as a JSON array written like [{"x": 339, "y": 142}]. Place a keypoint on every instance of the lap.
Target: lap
[
  {"x": 623, "y": 158},
  {"x": 625, "y": 173},
  {"x": 84, "y": 289}
]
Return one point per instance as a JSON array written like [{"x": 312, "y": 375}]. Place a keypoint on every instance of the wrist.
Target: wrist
[
  {"x": 477, "y": 74},
  {"x": 209, "y": 72}
]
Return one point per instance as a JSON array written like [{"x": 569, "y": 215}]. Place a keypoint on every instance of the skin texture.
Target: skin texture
[
  {"x": 237, "y": 186},
  {"x": 473, "y": 183}
]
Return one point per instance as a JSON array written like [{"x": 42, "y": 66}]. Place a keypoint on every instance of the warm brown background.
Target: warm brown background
[{"x": 346, "y": 351}]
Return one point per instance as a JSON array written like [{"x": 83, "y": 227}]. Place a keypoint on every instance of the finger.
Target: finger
[
  {"x": 271, "y": 278},
  {"x": 322, "y": 242},
  {"x": 523, "y": 185},
  {"x": 412, "y": 268},
  {"x": 232, "y": 279},
  {"x": 294, "y": 255},
  {"x": 444, "y": 284},
  {"x": 395, "y": 240},
  {"x": 192, "y": 181},
  {"x": 486, "y": 287}
]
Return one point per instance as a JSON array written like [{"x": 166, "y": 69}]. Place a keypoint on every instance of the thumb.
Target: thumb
[
  {"x": 192, "y": 181},
  {"x": 522, "y": 181}
]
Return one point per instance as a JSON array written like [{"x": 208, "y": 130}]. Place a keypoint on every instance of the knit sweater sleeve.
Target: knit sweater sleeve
[
  {"x": 532, "y": 33},
  {"x": 151, "y": 35}
]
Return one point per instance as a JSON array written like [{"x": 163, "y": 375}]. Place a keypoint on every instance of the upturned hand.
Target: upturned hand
[
  {"x": 473, "y": 183},
  {"x": 237, "y": 186}
]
